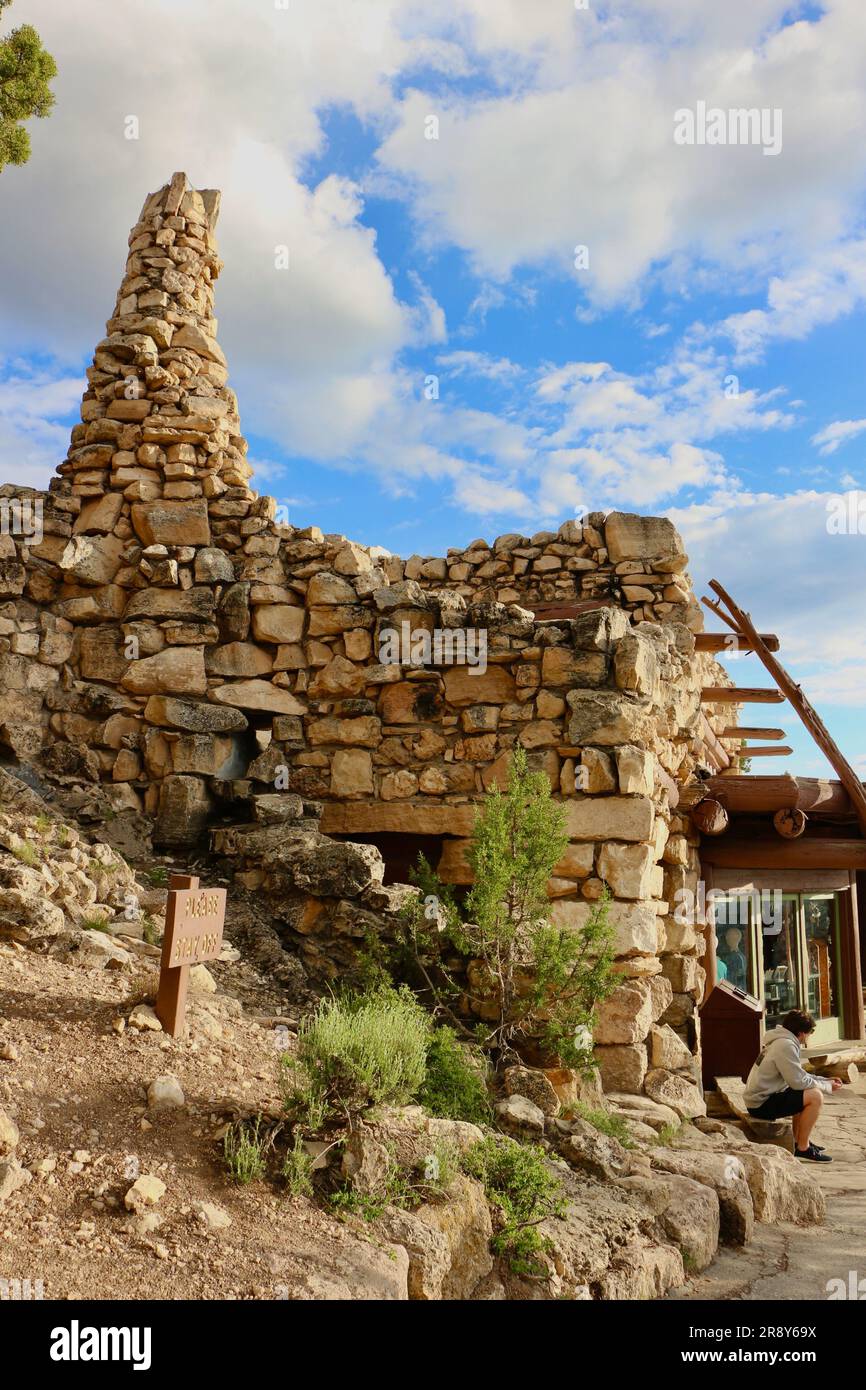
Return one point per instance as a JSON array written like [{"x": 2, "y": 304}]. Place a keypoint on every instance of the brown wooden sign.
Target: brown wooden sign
[{"x": 194, "y": 919}]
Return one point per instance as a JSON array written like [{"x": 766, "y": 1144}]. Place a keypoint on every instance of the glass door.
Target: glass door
[
  {"x": 782, "y": 957},
  {"x": 820, "y": 926}
]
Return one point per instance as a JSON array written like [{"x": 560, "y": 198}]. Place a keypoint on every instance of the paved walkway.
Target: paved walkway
[{"x": 787, "y": 1262}]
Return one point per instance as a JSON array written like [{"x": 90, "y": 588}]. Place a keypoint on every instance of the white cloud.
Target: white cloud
[{"x": 828, "y": 440}]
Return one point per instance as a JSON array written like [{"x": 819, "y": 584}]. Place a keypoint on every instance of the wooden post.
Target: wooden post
[
  {"x": 194, "y": 921},
  {"x": 171, "y": 996}
]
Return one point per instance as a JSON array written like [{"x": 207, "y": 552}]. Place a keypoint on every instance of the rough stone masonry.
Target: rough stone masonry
[{"x": 162, "y": 633}]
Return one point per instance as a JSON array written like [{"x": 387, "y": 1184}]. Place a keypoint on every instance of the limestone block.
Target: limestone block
[
  {"x": 278, "y": 622},
  {"x": 635, "y": 665},
  {"x": 239, "y": 659},
  {"x": 576, "y": 862},
  {"x": 92, "y": 559},
  {"x": 634, "y": 924},
  {"x": 607, "y": 718},
  {"x": 636, "y": 771},
  {"x": 631, "y": 537},
  {"x": 610, "y": 818},
  {"x": 257, "y": 695},
  {"x": 172, "y": 523},
  {"x": 99, "y": 515},
  {"x": 562, "y": 666},
  {"x": 351, "y": 772},
  {"x": 176, "y": 671},
  {"x": 667, "y": 1049},
  {"x": 626, "y": 1015},
  {"x": 622, "y": 1067},
  {"x": 465, "y": 685},
  {"x": 626, "y": 869},
  {"x": 193, "y": 716}
]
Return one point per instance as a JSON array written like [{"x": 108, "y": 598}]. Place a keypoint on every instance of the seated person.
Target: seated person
[{"x": 778, "y": 1086}]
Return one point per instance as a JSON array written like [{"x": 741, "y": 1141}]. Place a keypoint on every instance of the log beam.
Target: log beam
[
  {"x": 757, "y": 750},
  {"x": 742, "y": 731},
  {"x": 733, "y": 642},
  {"x": 740, "y": 695},
  {"x": 776, "y": 853}
]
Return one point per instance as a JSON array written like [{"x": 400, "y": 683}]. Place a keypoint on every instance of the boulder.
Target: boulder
[
  {"x": 9, "y": 1134},
  {"x": 176, "y": 670},
  {"x": 726, "y": 1174},
  {"x": 520, "y": 1115},
  {"x": 610, "y": 818},
  {"x": 680, "y": 1093},
  {"x": 463, "y": 1219},
  {"x": 534, "y": 1085}
]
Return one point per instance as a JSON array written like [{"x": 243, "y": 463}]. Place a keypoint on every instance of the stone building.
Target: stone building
[{"x": 324, "y": 710}]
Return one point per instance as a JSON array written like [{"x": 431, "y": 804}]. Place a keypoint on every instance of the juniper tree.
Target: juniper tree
[
  {"x": 537, "y": 980},
  {"x": 25, "y": 72}
]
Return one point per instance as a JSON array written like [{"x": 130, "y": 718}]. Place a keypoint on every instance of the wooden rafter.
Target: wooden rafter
[
  {"x": 742, "y": 731},
  {"x": 721, "y": 642},
  {"x": 742, "y": 623},
  {"x": 740, "y": 695},
  {"x": 757, "y": 750}
]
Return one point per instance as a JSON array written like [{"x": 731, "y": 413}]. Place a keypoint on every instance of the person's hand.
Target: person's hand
[{"x": 836, "y": 1084}]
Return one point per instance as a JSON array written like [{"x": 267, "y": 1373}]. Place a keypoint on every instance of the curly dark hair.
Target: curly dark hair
[{"x": 798, "y": 1022}]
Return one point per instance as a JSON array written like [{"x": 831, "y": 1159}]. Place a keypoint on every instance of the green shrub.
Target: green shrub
[
  {"x": 95, "y": 923},
  {"x": 356, "y": 1051},
  {"x": 298, "y": 1169},
  {"x": 543, "y": 981},
  {"x": 157, "y": 877},
  {"x": 454, "y": 1088},
  {"x": 243, "y": 1149},
  {"x": 26, "y": 853},
  {"x": 522, "y": 1192},
  {"x": 614, "y": 1126}
]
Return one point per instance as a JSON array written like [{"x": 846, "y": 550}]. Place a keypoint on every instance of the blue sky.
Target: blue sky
[{"x": 560, "y": 389}]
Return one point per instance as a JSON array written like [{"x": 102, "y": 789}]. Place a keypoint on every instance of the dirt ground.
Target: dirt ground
[{"x": 76, "y": 1088}]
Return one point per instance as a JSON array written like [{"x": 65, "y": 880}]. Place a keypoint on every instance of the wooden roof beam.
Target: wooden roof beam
[
  {"x": 741, "y": 731},
  {"x": 740, "y": 695},
  {"x": 735, "y": 642}
]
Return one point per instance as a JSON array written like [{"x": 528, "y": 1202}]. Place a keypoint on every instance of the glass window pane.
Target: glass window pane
[
  {"x": 821, "y": 971},
  {"x": 780, "y": 943},
  {"x": 731, "y": 922}
]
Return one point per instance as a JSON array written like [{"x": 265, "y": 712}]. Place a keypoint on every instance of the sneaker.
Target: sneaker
[{"x": 813, "y": 1155}]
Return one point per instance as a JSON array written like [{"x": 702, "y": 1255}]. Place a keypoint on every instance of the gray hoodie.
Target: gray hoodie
[{"x": 778, "y": 1068}]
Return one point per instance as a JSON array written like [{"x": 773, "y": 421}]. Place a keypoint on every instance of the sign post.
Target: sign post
[{"x": 194, "y": 919}]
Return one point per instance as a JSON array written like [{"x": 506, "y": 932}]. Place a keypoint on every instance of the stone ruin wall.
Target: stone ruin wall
[{"x": 216, "y": 669}]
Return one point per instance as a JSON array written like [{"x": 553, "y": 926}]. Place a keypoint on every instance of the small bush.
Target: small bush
[
  {"x": 157, "y": 877},
  {"x": 43, "y": 824},
  {"x": 243, "y": 1149},
  {"x": 354, "y": 1052},
  {"x": 298, "y": 1170},
  {"x": 614, "y": 1126},
  {"x": 454, "y": 1088},
  {"x": 26, "y": 853},
  {"x": 95, "y": 923},
  {"x": 522, "y": 1192}
]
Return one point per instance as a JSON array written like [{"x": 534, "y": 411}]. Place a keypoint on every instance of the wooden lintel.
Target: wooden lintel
[
  {"x": 740, "y": 695},
  {"x": 731, "y": 642},
  {"x": 775, "y": 853},
  {"x": 741, "y": 731}
]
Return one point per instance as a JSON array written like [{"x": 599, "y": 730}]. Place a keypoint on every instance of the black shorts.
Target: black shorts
[{"x": 779, "y": 1105}]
